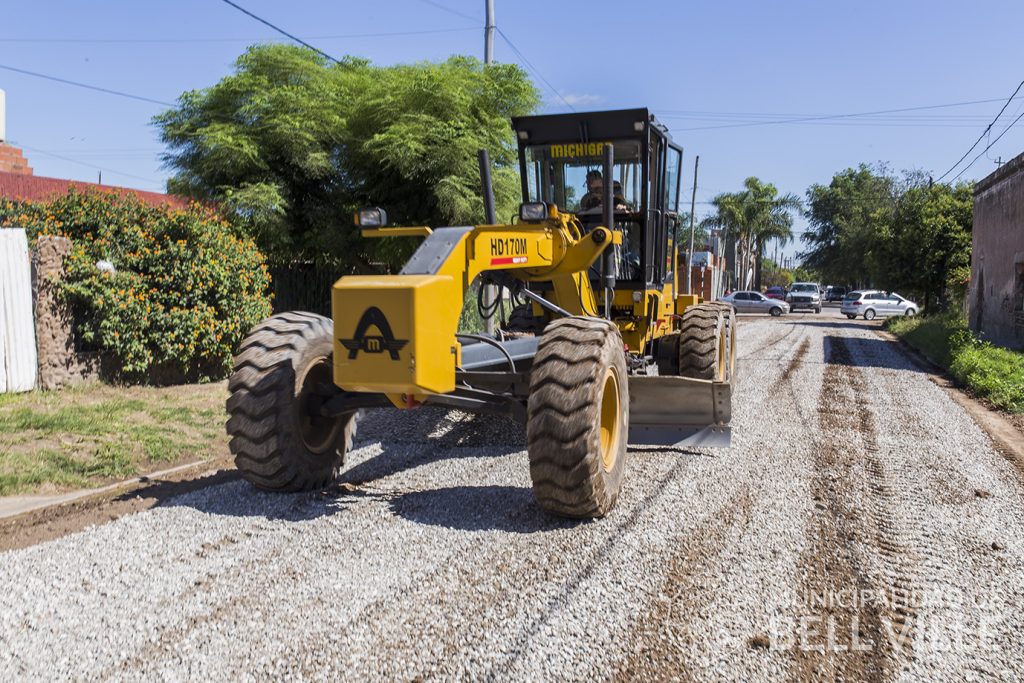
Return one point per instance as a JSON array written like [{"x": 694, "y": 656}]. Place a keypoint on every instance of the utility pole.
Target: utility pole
[
  {"x": 489, "y": 32},
  {"x": 490, "y": 291},
  {"x": 693, "y": 209}
]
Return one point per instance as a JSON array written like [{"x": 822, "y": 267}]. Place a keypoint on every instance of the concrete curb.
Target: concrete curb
[{"x": 12, "y": 506}]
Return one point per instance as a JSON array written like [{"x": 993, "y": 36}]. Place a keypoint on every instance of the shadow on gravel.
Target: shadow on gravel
[
  {"x": 872, "y": 352},
  {"x": 407, "y": 439},
  {"x": 841, "y": 324},
  {"x": 479, "y": 508}
]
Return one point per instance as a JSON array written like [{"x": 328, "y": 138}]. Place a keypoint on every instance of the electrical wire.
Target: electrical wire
[
  {"x": 82, "y": 163},
  {"x": 229, "y": 40},
  {"x": 86, "y": 86},
  {"x": 445, "y": 8},
  {"x": 983, "y": 134},
  {"x": 988, "y": 147},
  {"x": 533, "y": 68},
  {"x": 828, "y": 117},
  {"x": 298, "y": 40}
]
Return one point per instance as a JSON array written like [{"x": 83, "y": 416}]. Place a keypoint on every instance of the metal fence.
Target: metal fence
[
  {"x": 18, "y": 362},
  {"x": 303, "y": 287}
]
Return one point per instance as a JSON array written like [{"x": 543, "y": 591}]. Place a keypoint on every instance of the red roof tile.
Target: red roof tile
[{"x": 38, "y": 188}]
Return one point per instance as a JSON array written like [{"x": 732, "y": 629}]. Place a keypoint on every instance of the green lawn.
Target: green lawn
[
  {"x": 93, "y": 434},
  {"x": 991, "y": 372}
]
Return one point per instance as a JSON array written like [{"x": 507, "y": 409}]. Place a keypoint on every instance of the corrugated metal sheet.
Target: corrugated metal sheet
[{"x": 17, "y": 323}]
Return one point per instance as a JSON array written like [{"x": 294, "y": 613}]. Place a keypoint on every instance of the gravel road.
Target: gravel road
[{"x": 861, "y": 527}]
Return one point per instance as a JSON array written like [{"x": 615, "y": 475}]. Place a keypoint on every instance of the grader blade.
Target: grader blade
[{"x": 678, "y": 411}]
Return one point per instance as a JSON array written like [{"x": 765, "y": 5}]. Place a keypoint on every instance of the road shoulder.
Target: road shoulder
[{"x": 1007, "y": 437}]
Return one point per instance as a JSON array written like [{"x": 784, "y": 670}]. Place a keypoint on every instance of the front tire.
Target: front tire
[
  {"x": 279, "y": 440},
  {"x": 910, "y": 313},
  {"x": 851, "y": 316},
  {"x": 869, "y": 314},
  {"x": 775, "y": 312},
  {"x": 578, "y": 417}
]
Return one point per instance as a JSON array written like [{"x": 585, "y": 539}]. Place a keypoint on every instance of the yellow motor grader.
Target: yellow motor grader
[{"x": 599, "y": 351}]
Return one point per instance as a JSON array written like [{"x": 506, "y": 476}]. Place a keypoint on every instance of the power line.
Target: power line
[
  {"x": 455, "y": 12},
  {"x": 298, "y": 40},
  {"x": 532, "y": 67},
  {"x": 86, "y": 86},
  {"x": 825, "y": 117},
  {"x": 228, "y": 40},
  {"x": 988, "y": 147},
  {"x": 983, "y": 134},
  {"x": 82, "y": 163}
]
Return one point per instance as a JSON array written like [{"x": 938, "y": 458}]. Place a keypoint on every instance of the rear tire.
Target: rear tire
[
  {"x": 578, "y": 417},
  {"x": 279, "y": 441},
  {"x": 850, "y": 316},
  {"x": 869, "y": 314},
  {"x": 703, "y": 343}
]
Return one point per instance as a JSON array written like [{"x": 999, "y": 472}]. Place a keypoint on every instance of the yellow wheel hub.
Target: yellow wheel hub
[{"x": 611, "y": 420}]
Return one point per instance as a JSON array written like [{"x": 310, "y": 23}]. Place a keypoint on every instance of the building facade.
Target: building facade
[{"x": 995, "y": 302}]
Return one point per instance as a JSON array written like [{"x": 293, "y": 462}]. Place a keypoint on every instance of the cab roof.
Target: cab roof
[{"x": 586, "y": 126}]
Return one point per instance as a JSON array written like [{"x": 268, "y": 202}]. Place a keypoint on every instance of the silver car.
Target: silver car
[
  {"x": 755, "y": 302},
  {"x": 872, "y": 303}
]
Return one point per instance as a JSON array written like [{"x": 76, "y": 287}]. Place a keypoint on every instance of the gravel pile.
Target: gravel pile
[{"x": 429, "y": 558}]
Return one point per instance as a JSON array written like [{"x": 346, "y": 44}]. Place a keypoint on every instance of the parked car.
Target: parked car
[
  {"x": 777, "y": 293},
  {"x": 871, "y": 303},
  {"x": 755, "y": 302},
  {"x": 834, "y": 293},
  {"x": 805, "y": 295}
]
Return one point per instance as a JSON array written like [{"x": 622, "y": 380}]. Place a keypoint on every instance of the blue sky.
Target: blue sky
[{"x": 707, "y": 69}]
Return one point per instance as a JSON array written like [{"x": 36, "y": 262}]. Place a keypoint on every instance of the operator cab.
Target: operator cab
[{"x": 561, "y": 156}]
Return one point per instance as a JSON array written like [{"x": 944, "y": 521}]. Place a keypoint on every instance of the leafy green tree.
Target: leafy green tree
[
  {"x": 845, "y": 217},
  {"x": 870, "y": 227},
  {"x": 926, "y": 244},
  {"x": 291, "y": 145}
]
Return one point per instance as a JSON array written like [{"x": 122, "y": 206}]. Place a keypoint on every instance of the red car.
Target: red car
[{"x": 776, "y": 293}]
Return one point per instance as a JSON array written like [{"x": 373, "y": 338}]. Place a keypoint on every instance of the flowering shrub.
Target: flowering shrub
[{"x": 184, "y": 287}]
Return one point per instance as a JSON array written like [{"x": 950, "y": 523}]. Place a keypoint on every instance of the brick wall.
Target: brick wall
[{"x": 13, "y": 161}]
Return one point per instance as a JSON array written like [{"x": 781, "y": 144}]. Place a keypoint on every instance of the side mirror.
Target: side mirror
[{"x": 371, "y": 218}]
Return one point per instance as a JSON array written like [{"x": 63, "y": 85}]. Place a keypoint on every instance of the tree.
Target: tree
[
  {"x": 870, "y": 227},
  {"x": 845, "y": 217},
  {"x": 752, "y": 217},
  {"x": 291, "y": 145},
  {"x": 927, "y": 242}
]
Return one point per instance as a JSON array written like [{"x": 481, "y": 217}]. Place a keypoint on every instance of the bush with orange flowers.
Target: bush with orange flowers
[{"x": 184, "y": 290}]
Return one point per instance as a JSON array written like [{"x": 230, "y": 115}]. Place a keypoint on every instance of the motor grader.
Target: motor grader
[{"x": 602, "y": 350}]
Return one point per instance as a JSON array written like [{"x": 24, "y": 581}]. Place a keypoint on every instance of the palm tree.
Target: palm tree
[{"x": 752, "y": 217}]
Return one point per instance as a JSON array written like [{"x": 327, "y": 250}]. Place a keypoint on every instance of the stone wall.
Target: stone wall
[{"x": 59, "y": 363}]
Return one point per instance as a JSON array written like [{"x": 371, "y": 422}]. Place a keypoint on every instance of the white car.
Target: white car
[
  {"x": 872, "y": 303},
  {"x": 804, "y": 295}
]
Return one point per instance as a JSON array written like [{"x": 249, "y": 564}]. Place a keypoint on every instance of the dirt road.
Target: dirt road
[{"x": 862, "y": 526}]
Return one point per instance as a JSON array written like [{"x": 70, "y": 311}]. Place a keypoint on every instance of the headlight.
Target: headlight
[
  {"x": 533, "y": 212},
  {"x": 371, "y": 218}
]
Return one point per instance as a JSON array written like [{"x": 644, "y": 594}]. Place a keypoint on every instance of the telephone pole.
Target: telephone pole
[
  {"x": 693, "y": 209},
  {"x": 489, "y": 32}
]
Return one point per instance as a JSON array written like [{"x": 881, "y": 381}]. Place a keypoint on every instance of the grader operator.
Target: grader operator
[{"x": 603, "y": 351}]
